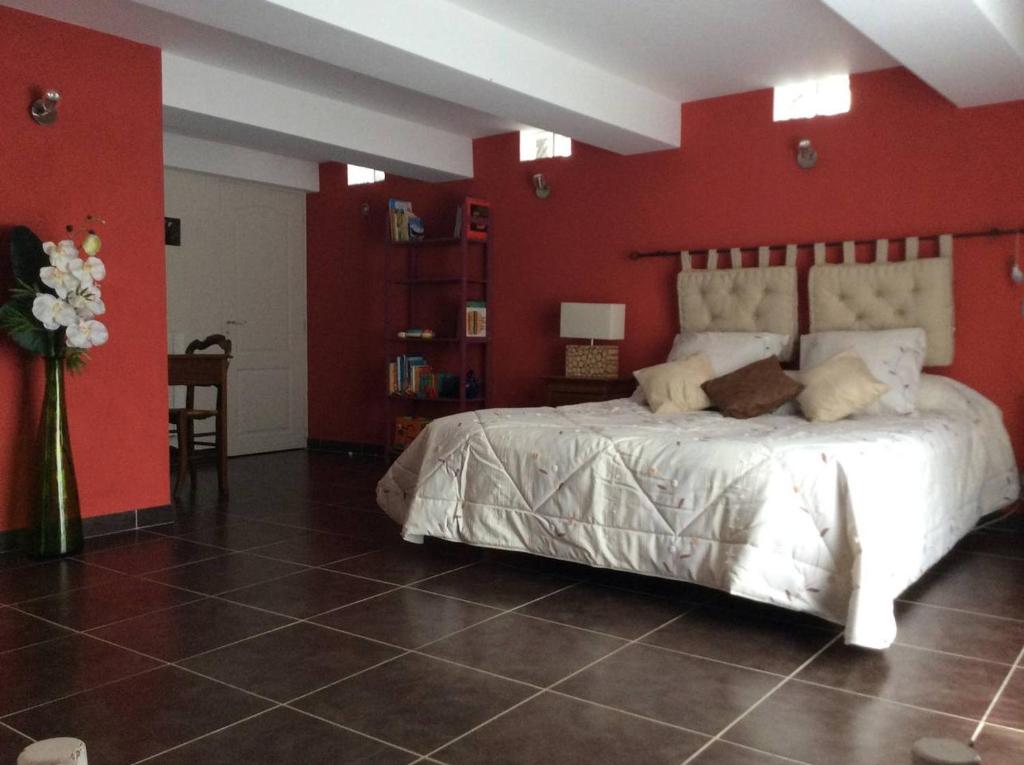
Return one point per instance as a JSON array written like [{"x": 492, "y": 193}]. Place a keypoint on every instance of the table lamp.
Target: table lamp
[{"x": 593, "y": 321}]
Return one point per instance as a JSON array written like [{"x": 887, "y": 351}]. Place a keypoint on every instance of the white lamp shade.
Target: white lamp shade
[{"x": 594, "y": 321}]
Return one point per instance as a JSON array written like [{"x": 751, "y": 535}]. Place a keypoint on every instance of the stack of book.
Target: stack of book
[{"x": 413, "y": 376}]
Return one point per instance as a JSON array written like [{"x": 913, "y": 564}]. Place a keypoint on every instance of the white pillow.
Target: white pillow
[
  {"x": 893, "y": 356},
  {"x": 728, "y": 351},
  {"x": 837, "y": 388}
]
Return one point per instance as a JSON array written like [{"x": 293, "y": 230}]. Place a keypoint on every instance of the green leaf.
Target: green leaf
[
  {"x": 17, "y": 320},
  {"x": 27, "y": 255},
  {"x": 76, "y": 359}
]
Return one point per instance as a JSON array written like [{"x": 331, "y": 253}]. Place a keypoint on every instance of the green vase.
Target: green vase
[{"x": 57, "y": 525}]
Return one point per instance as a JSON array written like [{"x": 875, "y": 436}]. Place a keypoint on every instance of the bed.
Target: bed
[{"x": 834, "y": 519}]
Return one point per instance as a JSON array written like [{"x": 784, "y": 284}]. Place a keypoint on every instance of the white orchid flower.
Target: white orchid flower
[
  {"x": 53, "y": 312},
  {"x": 60, "y": 253},
  {"x": 87, "y": 304},
  {"x": 59, "y": 276},
  {"x": 87, "y": 333},
  {"x": 87, "y": 271}
]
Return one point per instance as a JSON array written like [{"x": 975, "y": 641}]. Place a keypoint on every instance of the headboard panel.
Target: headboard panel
[
  {"x": 761, "y": 299},
  {"x": 884, "y": 295}
]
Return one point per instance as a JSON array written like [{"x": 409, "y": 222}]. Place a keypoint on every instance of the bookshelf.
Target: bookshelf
[{"x": 430, "y": 283}]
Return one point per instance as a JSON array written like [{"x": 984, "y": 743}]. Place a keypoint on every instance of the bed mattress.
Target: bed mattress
[{"x": 834, "y": 519}]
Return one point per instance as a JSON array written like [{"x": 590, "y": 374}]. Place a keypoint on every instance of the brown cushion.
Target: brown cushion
[{"x": 755, "y": 389}]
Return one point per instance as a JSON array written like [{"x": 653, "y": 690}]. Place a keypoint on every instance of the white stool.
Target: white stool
[{"x": 54, "y": 751}]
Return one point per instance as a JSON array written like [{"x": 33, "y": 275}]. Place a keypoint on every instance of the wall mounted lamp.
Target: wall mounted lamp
[
  {"x": 806, "y": 155},
  {"x": 540, "y": 186},
  {"x": 44, "y": 109}
]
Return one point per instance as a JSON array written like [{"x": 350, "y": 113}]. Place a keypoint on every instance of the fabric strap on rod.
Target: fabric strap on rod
[
  {"x": 819, "y": 253},
  {"x": 882, "y": 251},
  {"x": 790, "y": 254},
  {"x": 763, "y": 255},
  {"x": 712, "y": 260},
  {"x": 946, "y": 246},
  {"x": 735, "y": 258},
  {"x": 911, "y": 248},
  {"x": 849, "y": 253},
  {"x": 685, "y": 261}
]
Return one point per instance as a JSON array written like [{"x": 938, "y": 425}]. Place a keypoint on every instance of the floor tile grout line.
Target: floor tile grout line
[
  {"x": 162, "y": 752},
  {"x": 718, "y": 736},
  {"x": 961, "y": 610},
  {"x": 378, "y": 739},
  {"x": 17, "y": 732},
  {"x": 584, "y": 668},
  {"x": 894, "y": 702},
  {"x": 407, "y": 651},
  {"x": 998, "y": 696},
  {"x": 627, "y": 712},
  {"x": 6, "y": 716},
  {"x": 952, "y": 654}
]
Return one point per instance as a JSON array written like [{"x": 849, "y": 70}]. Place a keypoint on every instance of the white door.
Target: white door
[{"x": 241, "y": 271}]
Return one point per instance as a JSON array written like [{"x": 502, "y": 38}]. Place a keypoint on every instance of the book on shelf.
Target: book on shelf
[
  {"x": 399, "y": 216},
  {"x": 412, "y": 376},
  {"x": 476, "y": 318}
]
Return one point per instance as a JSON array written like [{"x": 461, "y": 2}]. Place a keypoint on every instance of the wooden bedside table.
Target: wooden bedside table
[{"x": 562, "y": 391}]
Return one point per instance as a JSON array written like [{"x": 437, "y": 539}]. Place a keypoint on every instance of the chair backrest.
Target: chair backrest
[
  {"x": 201, "y": 345},
  {"x": 221, "y": 342}
]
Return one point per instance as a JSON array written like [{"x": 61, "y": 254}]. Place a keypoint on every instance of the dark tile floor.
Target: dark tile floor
[{"x": 290, "y": 625}]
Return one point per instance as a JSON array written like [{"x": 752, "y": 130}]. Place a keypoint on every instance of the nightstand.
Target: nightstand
[{"x": 562, "y": 391}]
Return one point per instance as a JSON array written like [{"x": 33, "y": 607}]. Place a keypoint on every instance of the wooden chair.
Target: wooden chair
[{"x": 193, "y": 370}]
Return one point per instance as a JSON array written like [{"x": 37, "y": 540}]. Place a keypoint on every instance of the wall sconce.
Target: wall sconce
[
  {"x": 806, "y": 155},
  {"x": 44, "y": 109},
  {"x": 540, "y": 186}
]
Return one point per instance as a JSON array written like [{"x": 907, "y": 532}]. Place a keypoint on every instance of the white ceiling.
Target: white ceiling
[
  {"x": 404, "y": 85},
  {"x": 693, "y": 49}
]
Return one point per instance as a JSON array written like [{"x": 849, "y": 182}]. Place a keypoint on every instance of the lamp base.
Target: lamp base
[{"x": 591, "y": 361}]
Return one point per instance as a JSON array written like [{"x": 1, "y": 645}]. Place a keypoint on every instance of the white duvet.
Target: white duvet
[{"x": 833, "y": 519}]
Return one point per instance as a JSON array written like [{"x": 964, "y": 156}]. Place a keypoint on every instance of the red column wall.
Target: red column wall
[{"x": 104, "y": 155}]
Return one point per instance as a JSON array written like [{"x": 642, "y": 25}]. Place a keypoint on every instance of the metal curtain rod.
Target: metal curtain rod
[{"x": 809, "y": 245}]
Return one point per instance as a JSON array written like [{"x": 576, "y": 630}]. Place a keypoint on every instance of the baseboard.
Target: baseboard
[
  {"x": 100, "y": 525},
  {"x": 353, "y": 448}
]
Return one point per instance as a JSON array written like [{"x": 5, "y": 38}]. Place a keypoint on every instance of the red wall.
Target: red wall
[
  {"x": 904, "y": 161},
  {"x": 104, "y": 155}
]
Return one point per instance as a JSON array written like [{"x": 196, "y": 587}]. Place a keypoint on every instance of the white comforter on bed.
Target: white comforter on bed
[{"x": 834, "y": 519}]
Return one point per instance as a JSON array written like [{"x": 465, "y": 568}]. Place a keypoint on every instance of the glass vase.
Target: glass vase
[{"x": 56, "y": 528}]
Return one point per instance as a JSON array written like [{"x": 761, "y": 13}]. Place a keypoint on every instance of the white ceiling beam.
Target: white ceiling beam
[
  {"x": 188, "y": 153},
  {"x": 971, "y": 51},
  {"x": 204, "y": 100},
  {"x": 440, "y": 49}
]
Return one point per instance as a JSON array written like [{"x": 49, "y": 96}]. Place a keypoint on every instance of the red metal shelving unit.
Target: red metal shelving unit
[{"x": 412, "y": 282}]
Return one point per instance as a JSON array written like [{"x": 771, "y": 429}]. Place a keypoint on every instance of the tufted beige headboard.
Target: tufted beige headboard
[
  {"x": 762, "y": 299},
  {"x": 883, "y": 295}
]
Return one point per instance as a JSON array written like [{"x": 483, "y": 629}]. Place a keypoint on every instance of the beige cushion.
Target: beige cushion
[
  {"x": 675, "y": 386},
  {"x": 841, "y": 386}
]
